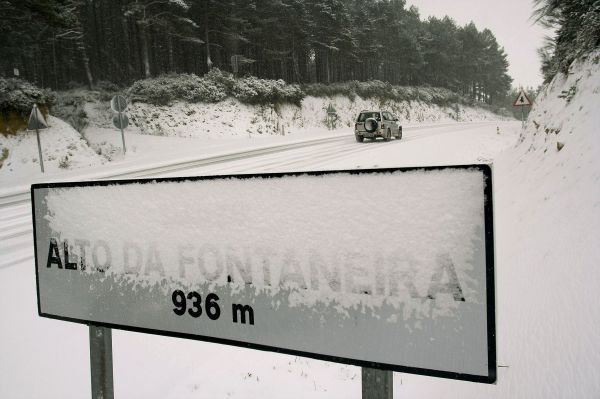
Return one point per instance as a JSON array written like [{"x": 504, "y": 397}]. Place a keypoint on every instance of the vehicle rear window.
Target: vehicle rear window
[{"x": 365, "y": 115}]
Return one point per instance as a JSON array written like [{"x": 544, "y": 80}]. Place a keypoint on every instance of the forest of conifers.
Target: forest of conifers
[{"x": 56, "y": 43}]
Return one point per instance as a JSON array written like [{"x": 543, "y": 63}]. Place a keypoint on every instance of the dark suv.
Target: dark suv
[{"x": 373, "y": 124}]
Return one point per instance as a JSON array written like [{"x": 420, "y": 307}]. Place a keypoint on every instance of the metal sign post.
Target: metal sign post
[
  {"x": 331, "y": 116},
  {"x": 119, "y": 105},
  {"x": 37, "y": 122},
  {"x": 37, "y": 134},
  {"x": 101, "y": 362},
  {"x": 377, "y": 384}
]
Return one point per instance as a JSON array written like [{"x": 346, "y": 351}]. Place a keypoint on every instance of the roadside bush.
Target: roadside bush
[
  {"x": 213, "y": 87},
  {"x": 261, "y": 91},
  {"x": 384, "y": 91},
  {"x": 70, "y": 107},
  {"x": 3, "y": 156},
  {"x": 216, "y": 85},
  {"x": 16, "y": 101},
  {"x": 167, "y": 88}
]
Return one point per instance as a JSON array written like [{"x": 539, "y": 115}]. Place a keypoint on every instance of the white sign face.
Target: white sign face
[
  {"x": 36, "y": 120},
  {"x": 522, "y": 99},
  {"x": 118, "y": 103},
  {"x": 390, "y": 269}
]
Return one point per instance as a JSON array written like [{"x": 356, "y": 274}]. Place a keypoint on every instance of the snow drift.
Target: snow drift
[{"x": 547, "y": 197}]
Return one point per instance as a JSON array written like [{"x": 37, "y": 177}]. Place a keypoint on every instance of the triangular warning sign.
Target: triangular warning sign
[
  {"x": 522, "y": 99},
  {"x": 36, "y": 120}
]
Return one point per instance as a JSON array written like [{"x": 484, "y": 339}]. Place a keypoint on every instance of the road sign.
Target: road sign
[
  {"x": 36, "y": 120},
  {"x": 318, "y": 264},
  {"x": 522, "y": 99},
  {"x": 118, "y": 103},
  {"x": 121, "y": 121}
]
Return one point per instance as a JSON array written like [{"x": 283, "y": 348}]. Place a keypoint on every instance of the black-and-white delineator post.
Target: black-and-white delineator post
[
  {"x": 121, "y": 121},
  {"x": 37, "y": 122},
  {"x": 522, "y": 101}
]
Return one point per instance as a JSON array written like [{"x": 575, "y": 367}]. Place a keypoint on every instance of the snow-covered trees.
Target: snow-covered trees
[
  {"x": 577, "y": 24},
  {"x": 53, "y": 42}
]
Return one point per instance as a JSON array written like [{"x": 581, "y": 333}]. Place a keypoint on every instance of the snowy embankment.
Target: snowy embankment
[
  {"x": 550, "y": 291},
  {"x": 231, "y": 118},
  {"x": 547, "y": 201},
  {"x": 63, "y": 148},
  {"x": 155, "y": 131}
]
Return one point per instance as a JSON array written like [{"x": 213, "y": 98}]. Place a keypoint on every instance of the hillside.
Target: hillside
[
  {"x": 232, "y": 118},
  {"x": 156, "y": 131},
  {"x": 547, "y": 202}
]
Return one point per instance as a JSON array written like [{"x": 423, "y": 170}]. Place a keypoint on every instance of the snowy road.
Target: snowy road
[{"x": 146, "y": 366}]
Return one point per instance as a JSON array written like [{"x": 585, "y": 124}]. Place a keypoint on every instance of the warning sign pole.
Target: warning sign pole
[
  {"x": 119, "y": 104},
  {"x": 37, "y": 133},
  {"x": 37, "y": 122}
]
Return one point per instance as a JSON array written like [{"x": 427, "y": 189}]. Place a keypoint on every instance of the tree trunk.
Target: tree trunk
[
  {"x": 86, "y": 65},
  {"x": 144, "y": 44},
  {"x": 208, "y": 60},
  {"x": 54, "y": 71}
]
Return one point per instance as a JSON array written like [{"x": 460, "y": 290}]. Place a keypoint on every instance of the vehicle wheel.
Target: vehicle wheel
[
  {"x": 359, "y": 138},
  {"x": 371, "y": 125},
  {"x": 399, "y": 135},
  {"x": 388, "y": 135}
]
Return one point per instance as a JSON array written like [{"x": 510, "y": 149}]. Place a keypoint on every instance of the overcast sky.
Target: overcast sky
[{"x": 510, "y": 22}]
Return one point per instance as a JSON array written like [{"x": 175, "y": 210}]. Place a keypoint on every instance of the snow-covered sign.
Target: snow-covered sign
[
  {"x": 36, "y": 119},
  {"x": 118, "y": 103},
  {"x": 522, "y": 99},
  {"x": 120, "y": 120},
  {"x": 387, "y": 268}
]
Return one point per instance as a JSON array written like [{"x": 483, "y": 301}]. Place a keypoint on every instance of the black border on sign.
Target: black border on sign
[{"x": 489, "y": 251}]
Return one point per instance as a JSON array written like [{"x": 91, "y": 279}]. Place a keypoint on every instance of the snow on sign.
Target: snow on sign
[
  {"x": 387, "y": 268},
  {"x": 36, "y": 120},
  {"x": 522, "y": 99}
]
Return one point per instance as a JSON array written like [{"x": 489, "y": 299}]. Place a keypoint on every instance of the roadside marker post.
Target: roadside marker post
[
  {"x": 121, "y": 121},
  {"x": 37, "y": 122}
]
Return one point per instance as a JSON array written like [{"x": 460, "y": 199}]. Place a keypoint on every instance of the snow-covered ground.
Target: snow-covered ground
[
  {"x": 547, "y": 219},
  {"x": 149, "y": 366},
  {"x": 62, "y": 148},
  {"x": 547, "y": 227},
  {"x": 156, "y": 132},
  {"x": 231, "y": 118}
]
